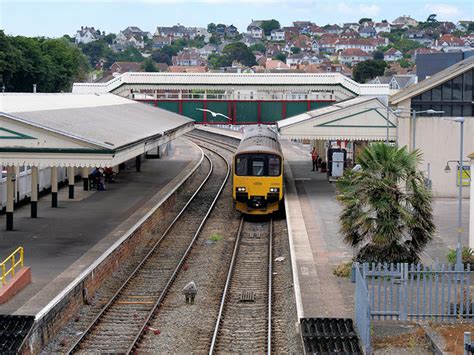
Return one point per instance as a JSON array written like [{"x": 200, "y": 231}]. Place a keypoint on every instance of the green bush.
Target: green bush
[
  {"x": 343, "y": 270},
  {"x": 467, "y": 256}
]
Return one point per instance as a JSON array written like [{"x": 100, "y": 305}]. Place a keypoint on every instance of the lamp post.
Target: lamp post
[{"x": 460, "y": 120}]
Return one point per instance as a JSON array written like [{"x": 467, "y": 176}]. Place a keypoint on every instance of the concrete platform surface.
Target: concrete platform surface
[
  {"x": 318, "y": 246},
  {"x": 65, "y": 241}
]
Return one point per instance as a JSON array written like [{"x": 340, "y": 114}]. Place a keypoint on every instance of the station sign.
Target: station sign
[{"x": 466, "y": 176}]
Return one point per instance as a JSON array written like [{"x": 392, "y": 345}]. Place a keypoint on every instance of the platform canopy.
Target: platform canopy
[
  {"x": 81, "y": 130},
  {"x": 363, "y": 118}
]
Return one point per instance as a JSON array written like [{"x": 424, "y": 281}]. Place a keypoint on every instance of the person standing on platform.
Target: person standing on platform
[{"x": 314, "y": 158}]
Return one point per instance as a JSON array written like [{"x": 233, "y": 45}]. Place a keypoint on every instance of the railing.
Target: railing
[
  {"x": 362, "y": 311},
  {"x": 412, "y": 292},
  {"x": 14, "y": 263}
]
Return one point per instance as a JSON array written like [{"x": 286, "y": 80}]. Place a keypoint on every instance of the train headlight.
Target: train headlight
[
  {"x": 241, "y": 189},
  {"x": 274, "y": 189}
]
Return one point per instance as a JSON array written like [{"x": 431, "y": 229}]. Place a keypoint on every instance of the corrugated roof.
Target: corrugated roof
[
  {"x": 322, "y": 111},
  {"x": 106, "y": 120}
]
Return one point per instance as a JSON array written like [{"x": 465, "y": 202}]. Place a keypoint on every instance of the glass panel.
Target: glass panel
[
  {"x": 436, "y": 93},
  {"x": 257, "y": 167},
  {"x": 468, "y": 78},
  {"x": 241, "y": 165},
  {"x": 426, "y": 96},
  {"x": 447, "y": 95},
  {"x": 457, "y": 110},
  {"x": 273, "y": 165},
  {"x": 417, "y": 98},
  {"x": 467, "y": 111},
  {"x": 457, "y": 88},
  {"x": 447, "y": 110}
]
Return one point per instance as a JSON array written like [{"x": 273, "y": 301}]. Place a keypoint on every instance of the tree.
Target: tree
[
  {"x": 211, "y": 28},
  {"x": 364, "y": 19},
  {"x": 404, "y": 63},
  {"x": 110, "y": 38},
  {"x": 368, "y": 69},
  {"x": 258, "y": 47},
  {"x": 280, "y": 56},
  {"x": 269, "y": 25},
  {"x": 431, "y": 18},
  {"x": 148, "y": 65},
  {"x": 295, "y": 50},
  {"x": 215, "y": 40},
  {"x": 216, "y": 61},
  {"x": 52, "y": 64},
  {"x": 378, "y": 55},
  {"x": 159, "y": 56},
  {"x": 239, "y": 52},
  {"x": 387, "y": 214}
]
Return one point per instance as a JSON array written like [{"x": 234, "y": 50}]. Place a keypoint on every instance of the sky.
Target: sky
[{"x": 58, "y": 17}]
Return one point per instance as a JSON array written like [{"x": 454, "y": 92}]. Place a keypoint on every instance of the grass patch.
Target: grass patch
[
  {"x": 215, "y": 237},
  {"x": 343, "y": 270}
]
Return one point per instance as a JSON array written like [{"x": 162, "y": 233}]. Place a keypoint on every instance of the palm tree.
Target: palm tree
[{"x": 387, "y": 215}]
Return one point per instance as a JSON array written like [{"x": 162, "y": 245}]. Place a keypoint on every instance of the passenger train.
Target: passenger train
[{"x": 258, "y": 172}]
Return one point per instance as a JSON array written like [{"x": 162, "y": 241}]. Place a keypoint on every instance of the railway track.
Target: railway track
[
  {"x": 121, "y": 323},
  {"x": 244, "y": 322}
]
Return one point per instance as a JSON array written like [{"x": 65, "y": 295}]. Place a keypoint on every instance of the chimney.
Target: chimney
[{"x": 34, "y": 88}]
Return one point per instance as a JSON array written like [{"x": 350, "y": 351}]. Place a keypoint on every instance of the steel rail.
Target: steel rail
[
  {"x": 270, "y": 274},
  {"x": 226, "y": 286},
  {"x": 185, "y": 255},
  {"x": 230, "y": 274},
  {"x": 213, "y": 140},
  {"x": 78, "y": 341}
]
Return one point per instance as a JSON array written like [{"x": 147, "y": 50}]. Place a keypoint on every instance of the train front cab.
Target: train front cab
[{"x": 258, "y": 183}]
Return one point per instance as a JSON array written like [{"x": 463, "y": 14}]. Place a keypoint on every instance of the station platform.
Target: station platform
[{"x": 63, "y": 242}]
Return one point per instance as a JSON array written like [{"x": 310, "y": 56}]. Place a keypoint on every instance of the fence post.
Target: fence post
[{"x": 467, "y": 343}]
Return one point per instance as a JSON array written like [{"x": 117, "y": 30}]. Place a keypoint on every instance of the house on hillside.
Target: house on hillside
[
  {"x": 334, "y": 29},
  {"x": 327, "y": 43},
  {"x": 382, "y": 27},
  {"x": 249, "y": 40},
  {"x": 396, "y": 82},
  {"x": 367, "y": 32},
  {"x": 87, "y": 35},
  {"x": 255, "y": 29},
  {"x": 304, "y": 58},
  {"x": 231, "y": 31},
  {"x": 159, "y": 42},
  {"x": 124, "y": 40},
  {"x": 124, "y": 67},
  {"x": 392, "y": 55},
  {"x": 463, "y": 25},
  {"x": 348, "y": 33},
  {"x": 273, "y": 64},
  {"x": 364, "y": 44},
  {"x": 353, "y": 26},
  {"x": 405, "y": 20},
  {"x": 420, "y": 36},
  {"x": 207, "y": 50},
  {"x": 450, "y": 43},
  {"x": 176, "y": 31},
  {"x": 188, "y": 57},
  {"x": 277, "y": 35},
  {"x": 315, "y": 30},
  {"x": 352, "y": 56}
]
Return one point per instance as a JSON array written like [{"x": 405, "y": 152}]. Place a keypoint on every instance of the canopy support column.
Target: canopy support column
[
  {"x": 10, "y": 196},
  {"x": 54, "y": 186},
  {"x": 34, "y": 192},
  {"x": 85, "y": 178},
  {"x": 70, "y": 178}
]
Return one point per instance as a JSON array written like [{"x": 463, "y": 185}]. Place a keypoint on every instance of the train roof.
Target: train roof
[{"x": 259, "y": 138}]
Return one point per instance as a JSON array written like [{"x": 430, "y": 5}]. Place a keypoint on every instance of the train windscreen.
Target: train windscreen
[{"x": 257, "y": 165}]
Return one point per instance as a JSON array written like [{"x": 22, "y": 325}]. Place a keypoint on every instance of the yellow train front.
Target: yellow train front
[{"x": 258, "y": 172}]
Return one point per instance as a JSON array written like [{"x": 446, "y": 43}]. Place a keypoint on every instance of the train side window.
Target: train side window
[
  {"x": 258, "y": 167},
  {"x": 273, "y": 165},
  {"x": 241, "y": 166}
]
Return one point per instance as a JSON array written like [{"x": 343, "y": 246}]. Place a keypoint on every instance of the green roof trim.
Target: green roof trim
[
  {"x": 57, "y": 150},
  {"x": 328, "y": 124},
  {"x": 16, "y": 135}
]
